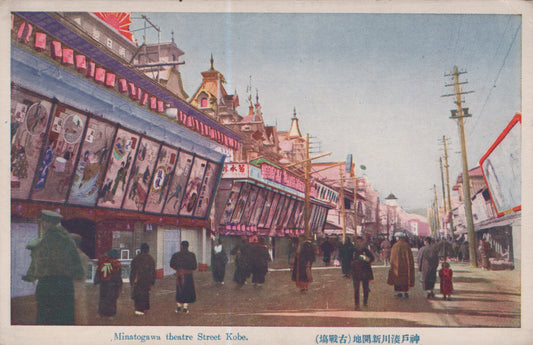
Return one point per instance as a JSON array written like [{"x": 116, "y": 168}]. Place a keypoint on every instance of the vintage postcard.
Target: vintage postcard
[{"x": 266, "y": 172}]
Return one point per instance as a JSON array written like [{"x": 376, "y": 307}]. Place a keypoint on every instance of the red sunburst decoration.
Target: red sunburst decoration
[{"x": 119, "y": 20}]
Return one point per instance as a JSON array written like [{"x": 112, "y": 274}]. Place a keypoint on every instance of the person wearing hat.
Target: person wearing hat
[
  {"x": 142, "y": 277},
  {"x": 54, "y": 263},
  {"x": 362, "y": 258},
  {"x": 184, "y": 262},
  {"x": 402, "y": 266},
  {"x": 109, "y": 276},
  {"x": 259, "y": 259}
]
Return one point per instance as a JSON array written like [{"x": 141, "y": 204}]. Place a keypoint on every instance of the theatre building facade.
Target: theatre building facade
[
  {"x": 259, "y": 199},
  {"x": 122, "y": 158}
]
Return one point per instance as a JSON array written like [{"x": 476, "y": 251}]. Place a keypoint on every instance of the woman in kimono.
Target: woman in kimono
[
  {"x": 301, "y": 272},
  {"x": 109, "y": 277}
]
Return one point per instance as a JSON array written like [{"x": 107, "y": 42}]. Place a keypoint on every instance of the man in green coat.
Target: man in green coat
[{"x": 55, "y": 263}]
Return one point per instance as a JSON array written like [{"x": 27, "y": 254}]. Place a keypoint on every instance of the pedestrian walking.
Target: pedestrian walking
[
  {"x": 219, "y": 259},
  {"x": 362, "y": 259},
  {"x": 327, "y": 248},
  {"x": 303, "y": 261},
  {"x": 385, "y": 246},
  {"x": 484, "y": 251},
  {"x": 464, "y": 252},
  {"x": 446, "y": 285},
  {"x": 80, "y": 286},
  {"x": 109, "y": 276},
  {"x": 54, "y": 263},
  {"x": 184, "y": 262},
  {"x": 345, "y": 254},
  {"x": 402, "y": 266},
  {"x": 259, "y": 259},
  {"x": 242, "y": 262},
  {"x": 142, "y": 278},
  {"x": 428, "y": 262}
]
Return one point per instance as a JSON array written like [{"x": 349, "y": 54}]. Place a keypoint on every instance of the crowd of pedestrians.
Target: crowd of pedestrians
[{"x": 57, "y": 262}]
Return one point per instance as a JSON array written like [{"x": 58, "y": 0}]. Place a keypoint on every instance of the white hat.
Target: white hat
[{"x": 399, "y": 234}]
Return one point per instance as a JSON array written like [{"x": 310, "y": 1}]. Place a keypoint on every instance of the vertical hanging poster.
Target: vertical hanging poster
[
  {"x": 141, "y": 175},
  {"x": 89, "y": 173},
  {"x": 118, "y": 171},
  {"x": 159, "y": 187},
  {"x": 232, "y": 202},
  {"x": 29, "y": 120},
  {"x": 177, "y": 183},
  {"x": 190, "y": 196},
  {"x": 207, "y": 189},
  {"x": 61, "y": 152}
]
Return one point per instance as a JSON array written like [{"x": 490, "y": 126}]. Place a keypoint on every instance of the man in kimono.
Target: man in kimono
[
  {"x": 184, "y": 262},
  {"x": 55, "y": 263},
  {"x": 402, "y": 266},
  {"x": 142, "y": 277}
]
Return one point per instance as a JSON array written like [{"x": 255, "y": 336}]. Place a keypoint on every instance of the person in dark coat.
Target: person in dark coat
[
  {"x": 484, "y": 251},
  {"x": 385, "y": 246},
  {"x": 362, "y": 258},
  {"x": 142, "y": 277},
  {"x": 428, "y": 262},
  {"x": 54, "y": 263},
  {"x": 259, "y": 259},
  {"x": 242, "y": 262},
  {"x": 219, "y": 259},
  {"x": 327, "y": 248},
  {"x": 184, "y": 262},
  {"x": 464, "y": 251},
  {"x": 402, "y": 266},
  {"x": 109, "y": 276},
  {"x": 301, "y": 271},
  {"x": 345, "y": 254}
]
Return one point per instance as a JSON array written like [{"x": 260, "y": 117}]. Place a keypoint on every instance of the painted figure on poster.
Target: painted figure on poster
[{"x": 46, "y": 164}]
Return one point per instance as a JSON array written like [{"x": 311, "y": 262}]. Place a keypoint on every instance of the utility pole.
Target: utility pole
[
  {"x": 443, "y": 190},
  {"x": 459, "y": 115},
  {"x": 342, "y": 207},
  {"x": 437, "y": 221},
  {"x": 307, "y": 187},
  {"x": 444, "y": 140}
]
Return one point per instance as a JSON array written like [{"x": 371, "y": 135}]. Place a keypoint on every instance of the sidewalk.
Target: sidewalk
[{"x": 481, "y": 299}]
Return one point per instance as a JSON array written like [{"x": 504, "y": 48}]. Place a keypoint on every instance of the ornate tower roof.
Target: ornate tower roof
[{"x": 294, "y": 131}]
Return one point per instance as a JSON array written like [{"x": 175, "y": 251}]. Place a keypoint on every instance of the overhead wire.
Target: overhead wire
[{"x": 496, "y": 79}]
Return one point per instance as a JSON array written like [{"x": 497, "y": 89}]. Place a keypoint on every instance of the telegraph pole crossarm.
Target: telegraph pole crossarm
[{"x": 459, "y": 115}]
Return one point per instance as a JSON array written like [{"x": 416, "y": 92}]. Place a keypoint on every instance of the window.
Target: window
[
  {"x": 124, "y": 254},
  {"x": 203, "y": 102}
]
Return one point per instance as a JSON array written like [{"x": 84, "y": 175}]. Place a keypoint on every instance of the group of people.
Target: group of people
[
  {"x": 251, "y": 259},
  {"x": 60, "y": 267},
  {"x": 57, "y": 261},
  {"x": 401, "y": 274}
]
